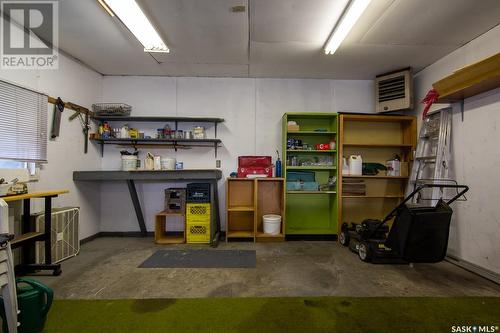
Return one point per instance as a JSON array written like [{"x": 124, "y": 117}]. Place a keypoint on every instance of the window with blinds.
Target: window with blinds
[{"x": 23, "y": 124}]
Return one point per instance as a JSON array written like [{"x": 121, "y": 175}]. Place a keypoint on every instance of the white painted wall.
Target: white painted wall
[
  {"x": 72, "y": 82},
  {"x": 252, "y": 109},
  {"x": 476, "y": 223}
]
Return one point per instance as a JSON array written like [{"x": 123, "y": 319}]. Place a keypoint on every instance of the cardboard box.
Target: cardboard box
[{"x": 293, "y": 128}]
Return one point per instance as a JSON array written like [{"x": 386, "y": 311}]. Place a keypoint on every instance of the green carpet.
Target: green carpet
[{"x": 322, "y": 314}]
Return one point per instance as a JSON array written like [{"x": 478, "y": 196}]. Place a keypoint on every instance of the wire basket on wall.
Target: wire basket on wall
[{"x": 112, "y": 109}]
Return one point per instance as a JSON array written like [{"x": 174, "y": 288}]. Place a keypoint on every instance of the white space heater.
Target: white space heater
[
  {"x": 64, "y": 239},
  {"x": 394, "y": 91}
]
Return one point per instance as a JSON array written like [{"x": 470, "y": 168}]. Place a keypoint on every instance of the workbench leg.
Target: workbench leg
[
  {"x": 214, "y": 194},
  {"x": 48, "y": 230},
  {"x": 48, "y": 237},
  {"x": 137, "y": 206},
  {"x": 28, "y": 252}
]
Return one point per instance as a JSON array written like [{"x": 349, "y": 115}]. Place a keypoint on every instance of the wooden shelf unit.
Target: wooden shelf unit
[
  {"x": 311, "y": 192},
  {"x": 298, "y": 151},
  {"x": 311, "y": 168},
  {"x": 312, "y": 132},
  {"x": 247, "y": 201},
  {"x": 377, "y": 138},
  {"x": 162, "y": 235},
  {"x": 376, "y": 177},
  {"x": 311, "y": 212}
]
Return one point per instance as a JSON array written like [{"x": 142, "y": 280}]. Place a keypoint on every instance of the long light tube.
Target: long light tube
[
  {"x": 350, "y": 17},
  {"x": 106, "y": 8},
  {"x": 129, "y": 12}
]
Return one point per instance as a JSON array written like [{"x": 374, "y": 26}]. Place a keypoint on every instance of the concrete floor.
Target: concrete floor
[{"x": 106, "y": 268}]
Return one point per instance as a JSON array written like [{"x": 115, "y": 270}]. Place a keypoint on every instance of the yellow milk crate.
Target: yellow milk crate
[
  {"x": 198, "y": 232},
  {"x": 198, "y": 212}
]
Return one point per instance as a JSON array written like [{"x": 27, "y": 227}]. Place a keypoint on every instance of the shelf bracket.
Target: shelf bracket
[
  {"x": 462, "y": 102},
  {"x": 216, "y": 145},
  {"x": 102, "y": 149},
  {"x": 216, "y": 130}
]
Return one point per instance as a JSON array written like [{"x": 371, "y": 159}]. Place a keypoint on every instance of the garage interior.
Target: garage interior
[{"x": 249, "y": 166}]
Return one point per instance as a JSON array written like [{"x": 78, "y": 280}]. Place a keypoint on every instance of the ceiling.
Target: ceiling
[{"x": 274, "y": 38}]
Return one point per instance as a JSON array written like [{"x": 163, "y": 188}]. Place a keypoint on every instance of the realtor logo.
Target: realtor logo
[{"x": 29, "y": 37}]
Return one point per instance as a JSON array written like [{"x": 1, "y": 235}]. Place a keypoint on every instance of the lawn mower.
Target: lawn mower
[{"x": 418, "y": 234}]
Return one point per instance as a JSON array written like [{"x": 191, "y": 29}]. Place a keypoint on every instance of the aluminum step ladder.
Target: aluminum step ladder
[{"x": 432, "y": 158}]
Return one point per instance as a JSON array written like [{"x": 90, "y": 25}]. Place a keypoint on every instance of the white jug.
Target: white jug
[
  {"x": 149, "y": 162},
  {"x": 345, "y": 167},
  {"x": 355, "y": 165},
  {"x": 157, "y": 163}
]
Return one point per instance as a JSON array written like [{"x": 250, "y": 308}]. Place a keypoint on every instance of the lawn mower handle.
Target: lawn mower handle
[{"x": 464, "y": 188}]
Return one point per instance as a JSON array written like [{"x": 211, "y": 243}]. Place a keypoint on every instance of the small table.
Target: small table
[
  {"x": 211, "y": 176},
  {"x": 30, "y": 236}
]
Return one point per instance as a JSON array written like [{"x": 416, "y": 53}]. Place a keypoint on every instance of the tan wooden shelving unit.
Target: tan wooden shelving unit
[
  {"x": 161, "y": 229},
  {"x": 247, "y": 200},
  {"x": 377, "y": 138}
]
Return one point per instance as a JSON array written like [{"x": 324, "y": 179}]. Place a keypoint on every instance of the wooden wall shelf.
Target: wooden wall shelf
[{"x": 470, "y": 80}]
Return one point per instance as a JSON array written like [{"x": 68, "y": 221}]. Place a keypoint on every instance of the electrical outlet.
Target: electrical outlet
[{"x": 217, "y": 163}]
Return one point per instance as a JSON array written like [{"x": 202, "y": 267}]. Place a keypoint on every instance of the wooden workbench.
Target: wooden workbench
[
  {"x": 211, "y": 176},
  {"x": 29, "y": 236}
]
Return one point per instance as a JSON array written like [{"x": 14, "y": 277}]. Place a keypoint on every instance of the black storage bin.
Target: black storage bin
[{"x": 198, "y": 193}]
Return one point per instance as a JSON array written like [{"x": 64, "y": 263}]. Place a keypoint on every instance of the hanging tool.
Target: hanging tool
[
  {"x": 56, "y": 121},
  {"x": 84, "y": 121},
  {"x": 432, "y": 159},
  {"x": 82, "y": 113}
]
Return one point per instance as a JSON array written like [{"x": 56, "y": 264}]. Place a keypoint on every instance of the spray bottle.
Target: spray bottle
[{"x": 278, "y": 165}]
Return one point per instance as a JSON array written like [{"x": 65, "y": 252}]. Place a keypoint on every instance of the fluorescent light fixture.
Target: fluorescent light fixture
[
  {"x": 347, "y": 21},
  {"x": 129, "y": 12},
  {"x": 106, "y": 8}
]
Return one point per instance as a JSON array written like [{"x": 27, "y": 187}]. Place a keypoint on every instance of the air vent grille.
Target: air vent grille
[{"x": 391, "y": 89}]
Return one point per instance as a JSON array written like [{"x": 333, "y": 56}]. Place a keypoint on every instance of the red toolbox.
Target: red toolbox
[{"x": 255, "y": 165}]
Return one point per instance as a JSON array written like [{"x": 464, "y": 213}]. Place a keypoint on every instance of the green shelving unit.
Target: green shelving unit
[{"x": 311, "y": 212}]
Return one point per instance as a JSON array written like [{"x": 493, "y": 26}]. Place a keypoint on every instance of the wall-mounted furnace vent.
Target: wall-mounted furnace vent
[{"x": 393, "y": 91}]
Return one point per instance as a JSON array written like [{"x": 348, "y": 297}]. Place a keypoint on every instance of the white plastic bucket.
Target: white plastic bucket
[
  {"x": 272, "y": 224},
  {"x": 129, "y": 162},
  {"x": 168, "y": 163}
]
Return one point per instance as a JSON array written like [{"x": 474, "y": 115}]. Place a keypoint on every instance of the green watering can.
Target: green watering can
[{"x": 34, "y": 300}]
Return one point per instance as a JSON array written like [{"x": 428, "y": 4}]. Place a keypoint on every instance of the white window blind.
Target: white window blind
[{"x": 23, "y": 124}]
